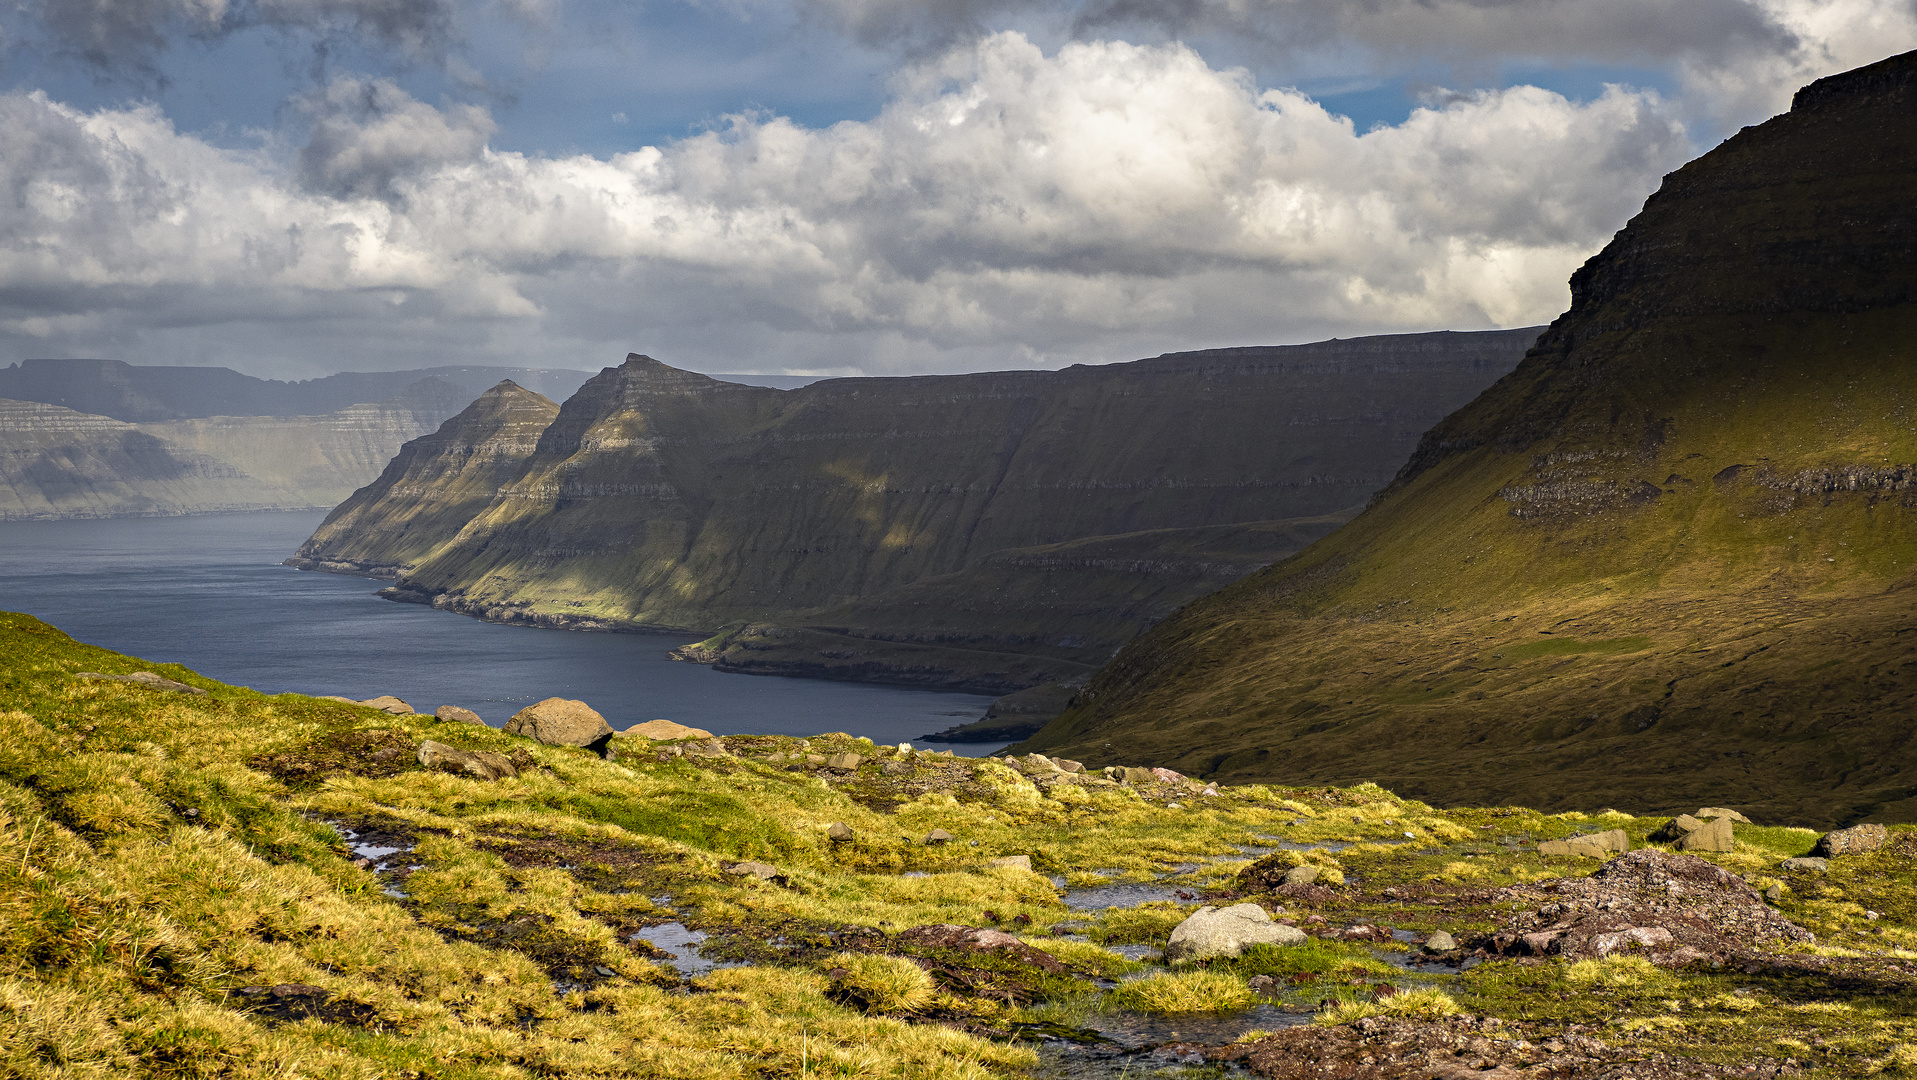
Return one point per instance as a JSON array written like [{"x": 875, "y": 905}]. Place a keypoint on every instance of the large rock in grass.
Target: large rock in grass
[
  {"x": 1227, "y": 931},
  {"x": 666, "y": 731},
  {"x": 479, "y": 764},
  {"x": 561, "y": 722},
  {"x": 1856, "y": 840}
]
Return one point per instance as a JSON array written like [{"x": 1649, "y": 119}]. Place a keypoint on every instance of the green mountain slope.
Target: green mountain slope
[
  {"x": 662, "y": 498},
  {"x": 1668, "y": 558}
]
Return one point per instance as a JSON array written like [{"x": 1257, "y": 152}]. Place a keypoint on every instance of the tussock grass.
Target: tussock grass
[{"x": 1184, "y": 992}]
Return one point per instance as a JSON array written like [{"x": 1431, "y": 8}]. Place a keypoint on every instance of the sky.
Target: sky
[{"x": 298, "y": 187}]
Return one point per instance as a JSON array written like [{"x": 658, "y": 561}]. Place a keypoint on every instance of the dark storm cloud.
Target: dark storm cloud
[
  {"x": 125, "y": 38},
  {"x": 368, "y": 136}
]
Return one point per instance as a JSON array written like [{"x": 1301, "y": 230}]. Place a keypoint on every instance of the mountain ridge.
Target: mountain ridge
[{"x": 1635, "y": 559}]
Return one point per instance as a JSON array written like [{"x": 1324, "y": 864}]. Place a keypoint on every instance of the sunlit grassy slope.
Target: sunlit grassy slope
[
  {"x": 1665, "y": 560},
  {"x": 179, "y": 901}
]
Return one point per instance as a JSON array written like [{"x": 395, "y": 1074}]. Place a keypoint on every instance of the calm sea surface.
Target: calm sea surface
[{"x": 209, "y": 593}]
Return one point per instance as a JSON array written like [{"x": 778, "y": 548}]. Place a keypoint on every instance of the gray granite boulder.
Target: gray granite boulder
[
  {"x": 560, "y": 722},
  {"x": 1227, "y": 931}
]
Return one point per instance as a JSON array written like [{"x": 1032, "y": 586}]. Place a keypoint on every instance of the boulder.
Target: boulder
[
  {"x": 1068, "y": 766},
  {"x": 666, "y": 731},
  {"x": 1677, "y": 829},
  {"x": 1856, "y": 840},
  {"x": 1300, "y": 875},
  {"x": 709, "y": 748},
  {"x": 762, "y": 871},
  {"x": 1713, "y": 835},
  {"x": 1614, "y": 841},
  {"x": 1440, "y": 942},
  {"x": 937, "y": 836},
  {"x": 148, "y": 678},
  {"x": 1167, "y": 776},
  {"x": 560, "y": 722},
  {"x": 839, "y": 832},
  {"x": 453, "y": 714},
  {"x": 389, "y": 704},
  {"x": 1010, "y": 862},
  {"x": 1227, "y": 931},
  {"x": 1709, "y": 812},
  {"x": 1806, "y": 865},
  {"x": 1130, "y": 775},
  {"x": 845, "y": 762},
  {"x": 480, "y": 764},
  {"x": 1576, "y": 845}
]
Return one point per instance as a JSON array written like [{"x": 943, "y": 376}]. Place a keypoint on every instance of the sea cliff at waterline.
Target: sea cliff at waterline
[{"x": 988, "y": 531}]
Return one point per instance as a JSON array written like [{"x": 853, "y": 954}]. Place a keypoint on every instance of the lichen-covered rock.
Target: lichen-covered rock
[
  {"x": 839, "y": 833},
  {"x": 1674, "y": 908},
  {"x": 388, "y": 704},
  {"x": 560, "y": 722},
  {"x": 453, "y": 714},
  {"x": 1301, "y": 875},
  {"x": 1713, "y": 835},
  {"x": 1227, "y": 931},
  {"x": 1806, "y": 864},
  {"x": 1856, "y": 840},
  {"x": 666, "y": 731},
  {"x": 480, "y": 764}
]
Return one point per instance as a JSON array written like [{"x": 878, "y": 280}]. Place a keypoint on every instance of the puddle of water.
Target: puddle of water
[
  {"x": 375, "y": 852},
  {"x": 1133, "y": 1030},
  {"x": 1099, "y": 897},
  {"x": 1136, "y": 952},
  {"x": 682, "y": 945}
]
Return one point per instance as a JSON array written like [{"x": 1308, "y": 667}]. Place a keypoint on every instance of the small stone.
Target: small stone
[
  {"x": 666, "y": 731},
  {"x": 1806, "y": 864},
  {"x": 1263, "y": 984},
  {"x": 1174, "y": 806},
  {"x": 845, "y": 762},
  {"x": 840, "y": 832},
  {"x": 1856, "y": 840},
  {"x": 389, "y": 704},
  {"x": 1130, "y": 775},
  {"x": 1168, "y": 776},
  {"x": 762, "y": 871},
  {"x": 480, "y": 764},
  {"x": 1226, "y": 931},
  {"x": 815, "y": 759},
  {"x": 1712, "y": 836},
  {"x": 937, "y": 836},
  {"x": 1440, "y": 942},
  {"x": 1301, "y": 875},
  {"x": 603, "y": 971},
  {"x": 1872, "y": 915},
  {"x": 1774, "y": 894},
  {"x": 1010, "y": 862},
  {"x": 560, "y": 722},
  {"x": 1068, "y": 766},
  {"x": 453, "y": 714},
  {"x": 1709, "y": 812}
]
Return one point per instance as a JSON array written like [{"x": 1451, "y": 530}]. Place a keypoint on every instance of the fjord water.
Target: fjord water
[{"x": 208, "y": 592}]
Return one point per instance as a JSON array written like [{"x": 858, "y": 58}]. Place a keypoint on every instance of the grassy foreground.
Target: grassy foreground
[{"x": 181, "y": 899}]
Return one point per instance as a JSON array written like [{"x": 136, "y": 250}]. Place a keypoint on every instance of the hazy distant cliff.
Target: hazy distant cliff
[
  {"x": 101, "y": 438},
  {"x": 657, "y": 497}
]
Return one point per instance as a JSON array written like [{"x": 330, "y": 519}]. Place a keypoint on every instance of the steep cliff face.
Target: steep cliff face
[
  {"x": 448, "y": 478},
  {"x": 57, "y": 463},
  {"x": 1665, "y": 559},
  {"x": 657, "y": 497}
]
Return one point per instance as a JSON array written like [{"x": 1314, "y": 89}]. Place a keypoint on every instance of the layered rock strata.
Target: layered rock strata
[{"x": 988, "y": 531}]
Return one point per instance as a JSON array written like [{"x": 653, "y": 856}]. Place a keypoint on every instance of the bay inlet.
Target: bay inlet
[{"x": 208, "y": 592}]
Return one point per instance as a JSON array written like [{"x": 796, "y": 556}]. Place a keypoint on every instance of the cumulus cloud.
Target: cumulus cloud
[
  {"x": 1005, "y": 202},
  {"x": 1742, "y": 57},
  {"x": 368, "y": 134}
]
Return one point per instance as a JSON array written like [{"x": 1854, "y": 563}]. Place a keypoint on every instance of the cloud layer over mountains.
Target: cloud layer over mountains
[{"x": 1009, "y": 203}]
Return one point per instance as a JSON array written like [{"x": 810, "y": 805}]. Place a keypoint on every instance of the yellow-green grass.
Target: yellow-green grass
[{"x": 160, "y": 853}]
